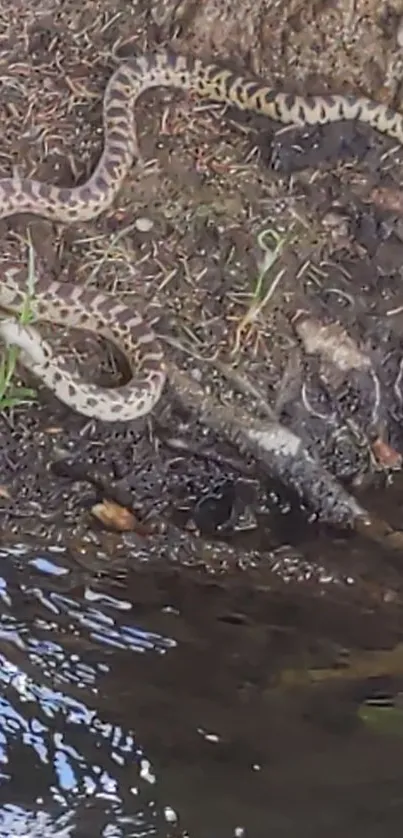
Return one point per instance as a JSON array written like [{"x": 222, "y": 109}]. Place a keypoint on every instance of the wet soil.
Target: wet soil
[{"x": 253, "y": 637}]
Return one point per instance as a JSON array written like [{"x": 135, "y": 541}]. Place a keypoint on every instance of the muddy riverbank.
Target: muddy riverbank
[{"x": 217, "y": 663}]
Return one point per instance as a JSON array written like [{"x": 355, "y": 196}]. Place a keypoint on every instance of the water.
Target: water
[
  {"x": 64, "y": 758},
  {"x": 165, "y": 700}
]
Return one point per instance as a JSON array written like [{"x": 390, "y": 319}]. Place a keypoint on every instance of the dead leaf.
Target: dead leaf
[
  {"x": 116, "y": 517},
  {"x": 385, "y": 455},
  {"x": 331, "y": 342},
  {"x": 389, "y": 199}
]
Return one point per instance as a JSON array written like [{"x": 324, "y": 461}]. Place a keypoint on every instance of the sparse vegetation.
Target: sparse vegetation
[
  {"x": 12, "y": 394},
  {"x": 214, "y": 277},
  {"x": 272, "y": 244}
]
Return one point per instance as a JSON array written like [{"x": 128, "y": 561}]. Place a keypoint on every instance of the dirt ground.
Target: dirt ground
[{"x": 188, "y": 236}]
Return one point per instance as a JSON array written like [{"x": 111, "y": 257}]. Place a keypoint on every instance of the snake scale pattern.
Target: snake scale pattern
[{"x": 71, "y": 305}]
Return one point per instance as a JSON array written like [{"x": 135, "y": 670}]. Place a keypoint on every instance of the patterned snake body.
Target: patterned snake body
[
  {"x": 66, "y": 303},
  {"x": 71, "y": 305}
]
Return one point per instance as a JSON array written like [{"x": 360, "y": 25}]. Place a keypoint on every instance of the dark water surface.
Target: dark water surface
[
  {"x": 169, "y": 701},
  {"x": 72, "y": 761}
]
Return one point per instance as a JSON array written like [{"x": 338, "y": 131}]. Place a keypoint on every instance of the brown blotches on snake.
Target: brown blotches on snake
[{"x": 61, "y": 302}]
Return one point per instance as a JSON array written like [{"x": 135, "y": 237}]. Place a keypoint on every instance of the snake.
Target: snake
[{"x": 71, "y": 305}]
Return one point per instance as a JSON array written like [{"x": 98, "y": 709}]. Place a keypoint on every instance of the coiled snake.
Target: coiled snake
[{"x": 75, "y": 306}]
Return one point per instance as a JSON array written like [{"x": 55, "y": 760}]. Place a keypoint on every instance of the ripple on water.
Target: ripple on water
[{"x": 64, "y": 766}]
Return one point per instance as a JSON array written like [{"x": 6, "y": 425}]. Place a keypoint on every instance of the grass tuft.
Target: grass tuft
[{"x": 11, "y": 394}]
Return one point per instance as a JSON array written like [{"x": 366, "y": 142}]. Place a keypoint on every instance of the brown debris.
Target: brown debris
[
  {"x": 341, "y": 44},
  {"x": 216, "y": 26},
  {"x": 385, "y": 455},
  {"x": 55, "y": 67},
  {"x": 279, "y": 452},
  {"x": 388, "y": 199},
  {"x": 116, "y": 517},
  {"x": 331, "y": 342}
]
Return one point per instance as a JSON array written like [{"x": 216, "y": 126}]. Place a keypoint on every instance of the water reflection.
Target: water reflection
[
  {"x": 61, "y": 759},
  {"x": 14, "y": 820}
]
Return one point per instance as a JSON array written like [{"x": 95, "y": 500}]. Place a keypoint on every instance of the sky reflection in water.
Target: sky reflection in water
[{"x": 61, "y": 763}]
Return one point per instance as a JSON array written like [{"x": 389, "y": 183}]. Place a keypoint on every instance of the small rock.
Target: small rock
[
  {"x": 336, "y": 223},
  {"x": 144, "y": 225}
]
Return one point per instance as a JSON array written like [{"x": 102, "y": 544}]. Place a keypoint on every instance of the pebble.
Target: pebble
[
  {"x": 170, "y": 815},
  {"x": 337, "y": 225},
  {"x": 144, "y": 225},
  {"x": 399, "y": 33}
]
